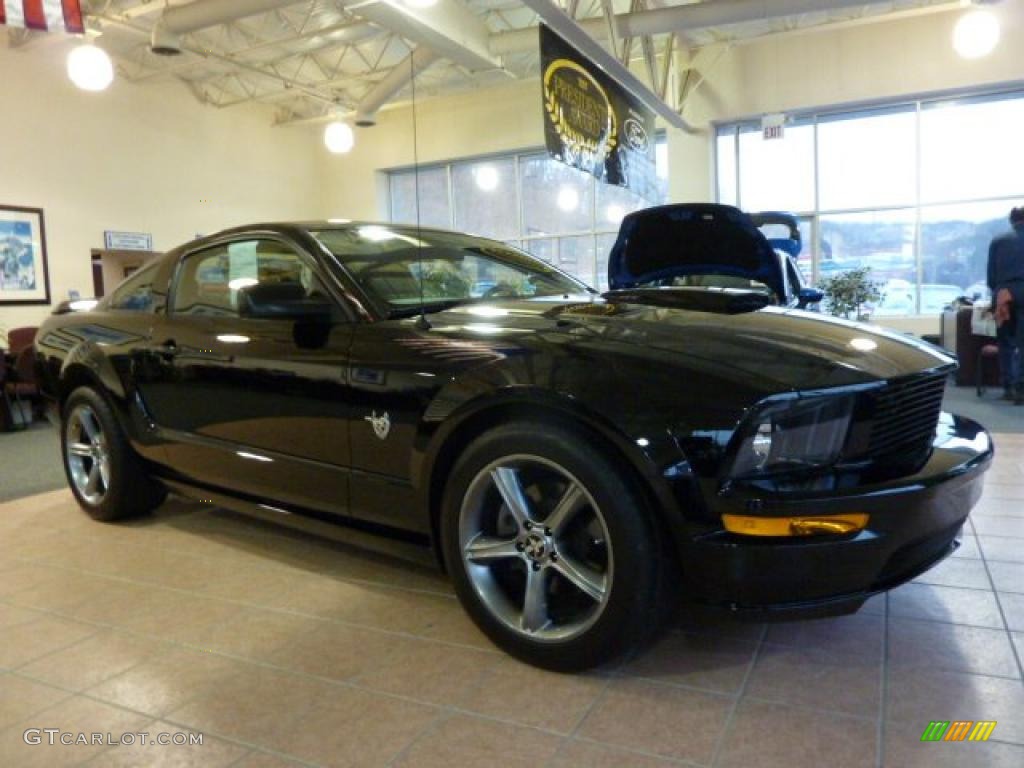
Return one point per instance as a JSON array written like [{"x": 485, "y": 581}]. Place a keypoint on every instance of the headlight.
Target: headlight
[{"x": 793, "y": 435}]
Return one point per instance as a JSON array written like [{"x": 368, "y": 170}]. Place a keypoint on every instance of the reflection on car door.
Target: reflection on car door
[{"x": 252, "y": 405}]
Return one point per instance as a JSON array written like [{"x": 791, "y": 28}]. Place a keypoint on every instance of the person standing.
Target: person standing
[{"x": 1006, "y": 280}]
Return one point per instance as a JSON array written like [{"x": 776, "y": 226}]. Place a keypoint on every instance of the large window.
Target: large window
[
  {"x": 915, "y": 191},
  {"x": 560, "y": 215}
]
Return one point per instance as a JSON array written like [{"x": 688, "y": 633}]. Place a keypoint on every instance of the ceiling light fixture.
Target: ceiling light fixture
[
  {"x": 339, "y": 138},
  {"x": 90, "y": 68},
  {"x": 568, "y": 199},
  {"x": 976, "y": 34},
  {"x": 614, "y": 213},
  {"x": 486, "y": 177}
]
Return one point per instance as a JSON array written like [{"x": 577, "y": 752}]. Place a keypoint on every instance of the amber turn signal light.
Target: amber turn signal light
[{"x": 748, "y": 525}]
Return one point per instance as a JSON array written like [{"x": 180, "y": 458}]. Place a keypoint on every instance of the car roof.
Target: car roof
[
  {"x": 320, "y": 224},
  {"x": 302, "y": 229}
]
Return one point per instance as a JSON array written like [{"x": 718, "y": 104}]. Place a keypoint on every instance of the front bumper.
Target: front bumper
[{"x": 914, "y": 523}]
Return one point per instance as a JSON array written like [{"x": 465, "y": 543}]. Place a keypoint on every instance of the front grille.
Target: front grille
[
  {"x": 905, "y": 416},
  {"x": 894, "y": 426}
]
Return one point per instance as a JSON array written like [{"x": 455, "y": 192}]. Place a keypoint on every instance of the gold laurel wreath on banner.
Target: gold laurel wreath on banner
[{"x": 575, "y": 141}]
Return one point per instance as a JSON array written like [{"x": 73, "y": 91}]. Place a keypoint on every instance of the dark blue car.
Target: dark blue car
[{"x": 711, "y": 246}]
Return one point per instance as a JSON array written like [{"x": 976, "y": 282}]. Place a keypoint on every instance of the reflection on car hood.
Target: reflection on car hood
[
  {"x": 671, "y": 241},
  {"x": 782, "y": 349}
]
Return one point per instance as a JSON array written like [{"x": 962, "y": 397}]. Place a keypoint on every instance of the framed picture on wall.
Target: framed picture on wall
[{"x": 24, "y": 273}]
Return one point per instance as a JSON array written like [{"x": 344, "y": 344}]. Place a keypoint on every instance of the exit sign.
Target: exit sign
[{"x": 773, "y": 127}]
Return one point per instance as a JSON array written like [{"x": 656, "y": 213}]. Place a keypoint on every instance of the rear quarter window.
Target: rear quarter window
[{"x": 136, "y": 293}]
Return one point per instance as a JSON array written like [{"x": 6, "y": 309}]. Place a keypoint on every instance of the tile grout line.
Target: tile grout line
[
  {"x": 716, "y": 754},
  {"x": 230, "y": 601},
  {"x": 613, "y": 674},
  {"x": 1002, "y": 614},
  {"x": 262, "y": 567},
  {"x": 181, "y": 644},
  {"x": 150, "y": 719},
  {"x": 884, "y": 687},
  {"x": 433, "y": 727},
  {"x": 97, "y": 630},
  {"x": 444, "y": 711},
  {"x": 644, "y": 753},
  {"x": 352, "y": 683}
]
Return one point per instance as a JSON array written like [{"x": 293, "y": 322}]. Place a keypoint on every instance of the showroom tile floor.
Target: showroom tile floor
[{"x": 286, "y": 650}]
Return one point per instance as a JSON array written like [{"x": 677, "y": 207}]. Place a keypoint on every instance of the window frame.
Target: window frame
[
  {"x": 339, "y": 307},
  {"x": 918, "y": 105},
  {"x": 153, "y": 267},
  {"x": 598, "y": 226}
]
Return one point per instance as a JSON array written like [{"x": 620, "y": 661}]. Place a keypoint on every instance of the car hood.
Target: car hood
[
  {"x": 677, "y": 240},
  {"x": 730, "y": 333}
]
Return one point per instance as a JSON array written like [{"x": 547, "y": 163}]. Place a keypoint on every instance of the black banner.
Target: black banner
[{"x": 592, "y": 123}]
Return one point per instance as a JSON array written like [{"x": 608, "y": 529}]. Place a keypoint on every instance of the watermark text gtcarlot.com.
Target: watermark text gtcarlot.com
[{"x": 55, "y": 736}]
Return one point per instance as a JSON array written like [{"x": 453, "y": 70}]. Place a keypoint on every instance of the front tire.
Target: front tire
[
  {"x": 551, "y": 549},
  {"x": 109, "y": 481}
]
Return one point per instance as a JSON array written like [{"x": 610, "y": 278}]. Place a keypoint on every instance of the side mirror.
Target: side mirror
[
  {"x": 282, "y": 301},
  {"x": 809, "y": 296}
]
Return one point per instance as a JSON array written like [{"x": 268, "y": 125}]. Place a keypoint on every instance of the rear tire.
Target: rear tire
[
  {"x": 551, "y": 548},
  {"x": 108, "y": 479}
]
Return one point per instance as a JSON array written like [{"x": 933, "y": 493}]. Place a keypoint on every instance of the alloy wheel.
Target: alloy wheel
[
  {"x": 87, "y": 454},
  {"x": 536, "y": 548}
]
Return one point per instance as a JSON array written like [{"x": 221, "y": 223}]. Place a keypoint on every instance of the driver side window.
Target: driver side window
[{"x": 209, "y": 282}]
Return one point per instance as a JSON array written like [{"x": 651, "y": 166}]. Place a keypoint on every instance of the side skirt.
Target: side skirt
[{"x": 400, "y": 544}]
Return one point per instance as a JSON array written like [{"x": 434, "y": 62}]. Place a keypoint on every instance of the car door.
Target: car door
[{"x": 256, "y": 406}]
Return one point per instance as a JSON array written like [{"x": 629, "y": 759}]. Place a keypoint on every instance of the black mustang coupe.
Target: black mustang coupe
[{"x": 573, "y": 460}]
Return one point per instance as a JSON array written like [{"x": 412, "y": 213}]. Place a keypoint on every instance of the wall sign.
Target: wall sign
[
  {"x": 773, "y": 127},
  {"x": 127, "y": 241},
  {"x": 591, "y": 122},
  {"x": 24, "y": 274}
]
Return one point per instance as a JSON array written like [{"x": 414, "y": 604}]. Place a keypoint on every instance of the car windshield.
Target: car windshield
[{"x": 392, "y": 263}]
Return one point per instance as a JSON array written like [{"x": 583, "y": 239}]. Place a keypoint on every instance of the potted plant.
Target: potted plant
[{"x": 849, "y": 291}]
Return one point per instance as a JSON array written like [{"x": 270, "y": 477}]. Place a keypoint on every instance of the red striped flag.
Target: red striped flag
[{"x": 44, "y": 15}]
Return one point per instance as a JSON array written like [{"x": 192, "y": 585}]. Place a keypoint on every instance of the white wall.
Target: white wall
[
  {"x": 138, "y": 158},
  {"x": 865, "y": 62}
]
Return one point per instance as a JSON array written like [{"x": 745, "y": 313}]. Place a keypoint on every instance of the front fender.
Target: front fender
[{"x": 465, "y": 409}]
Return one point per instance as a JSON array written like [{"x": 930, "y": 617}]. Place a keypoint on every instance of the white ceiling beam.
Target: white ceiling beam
[
  {"x": 525, "y": 40},
  {"x": 288, "y": 83},
  {"x": 673, "y": 19},
  {"x": 394, "y": 81},
  {"x": 145, "y": 9},
  {"x": 201, "y": 14},
  {"x": 448, "y": 28},
  {"x": 724, "y": 13}
]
